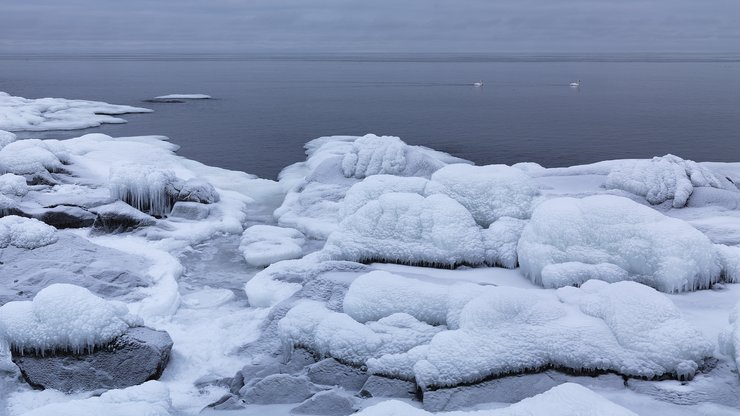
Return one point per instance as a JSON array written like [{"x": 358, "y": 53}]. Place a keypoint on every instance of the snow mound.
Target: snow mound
[
  {"x": 151, "y": 398},
  {"x": 263, "y": 245},
  {"x": 311, "y": 325},
  {"x": 24, "y": 157},
  {"x": 13, "y": 185},
  {"x": 488, "y": 192},
  {"x": 6, "y": 138},
  {"x": 501, "y": 239},
  {"x": 183, "y": 97},
  {"x": 18, "y": 113},
  {"x": 606, "y": 237},
  {"x": 567, "y": 399},
  {"x": 375, "y": 155},
  {"x": 729, "y": 339},
  {"x": 28, "y": 233},
  {"x": 63, "y": 317},
  {"x": 491, "y": 331},
  {"x": 371, "y": 188},
  {"x": 409, "y": 228},
  {"x": 146, "y": 188},
  {"x": 663, "y": 178}
]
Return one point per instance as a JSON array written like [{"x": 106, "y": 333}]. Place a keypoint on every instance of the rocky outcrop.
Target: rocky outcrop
[
  {"x": 120, "y": 217},
  {"x": 140, "y": 354}
]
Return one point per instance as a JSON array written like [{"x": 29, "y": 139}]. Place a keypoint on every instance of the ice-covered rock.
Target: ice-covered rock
[
  {"x": 25, "y": 233},
  {"x": 190, "y": 210},
  {"x": 564, "y": 400},
  {"x": 120, "y": 217},
  {"x": 146, "y": 188},
  {"x": 501, "y": 239},
  {"x": 18, "y": 113},
  {"x": 151, "y": 398},
  {"x": 263, "y": 245},
  {"x": 64, "y": 216},
  {"x": 13, "y": 185},
  {"x": 137, "y": 355},
  {"x": 371, "y": 188},
  {"x": 409, "y": 228},
  {"x": 326, "y": 403},
  {"x": 488, "y": 192},
  {"x": 280, "y": 389},
  {"x": 729, "y": 338},
  {"x": 63, "y": 317},
  {"x": 377, "y": 386},
  {"x": 331, "y": 372},
  {"x": 375, "y": 155},
  {"x": 198, "y": 190},
  {"x": 611, "y": 238},
  {"x": 664, "y": 178},
  {"x": 6, "y": 138},
  {"x": 27, "y": 157}
]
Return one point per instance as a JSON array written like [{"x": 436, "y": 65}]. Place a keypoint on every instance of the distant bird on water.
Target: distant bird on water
[
  {"x": 575, "y": 84},
  {"x": 478, "y": 84}
]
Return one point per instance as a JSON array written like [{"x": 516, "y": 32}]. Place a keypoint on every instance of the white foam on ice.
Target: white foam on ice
[
  {"x": 263, "y": 245},
  {"x": 18, "y": 113},
  {"x": 63, "y": 317},
  {"x": 665, "y": 253}
]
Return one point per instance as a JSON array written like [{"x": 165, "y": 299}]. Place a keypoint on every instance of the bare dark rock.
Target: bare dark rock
[
  {"x": 331, "y": 372},
  {"x": 326, "y": 403},
  {"x": 377, "y": 386}
]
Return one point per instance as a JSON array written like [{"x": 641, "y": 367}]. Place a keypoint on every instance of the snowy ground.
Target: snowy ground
[{"x": 432, "y": 303}]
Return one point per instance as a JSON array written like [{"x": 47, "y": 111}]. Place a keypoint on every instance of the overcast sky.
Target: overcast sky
[{"x": 379, "y": 25}]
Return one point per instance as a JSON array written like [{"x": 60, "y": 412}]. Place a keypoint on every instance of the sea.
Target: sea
[{"x": 265, "y": 106}]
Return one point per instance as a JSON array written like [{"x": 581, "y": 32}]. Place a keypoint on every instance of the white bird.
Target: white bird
[
  {"x": 575, "y": 84},
  {"x": 478, "y": 84}
]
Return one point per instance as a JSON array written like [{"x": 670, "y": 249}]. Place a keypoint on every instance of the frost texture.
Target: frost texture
[
  {"x": 567, "y": 399},
  {"x": 13, "y": 185},
  {"x": 263, "y": 245},
  {"x": 409, "y": 228},
  {"x": 18, "y": 113},
  {"x": 6, "y": 138},
  {"x": 26, "y": 157},
  {"x": 729, "y": 339},
  {"x": 375, "y": 155},
  {"x": 370, "y": 189},
  {"x": 28, "y": 233},
  {"x": 501, "y": 239},
  {"x": 585, "y": 234},
  {"x": 146, "y": 188},
  {"x": 488, "y": 192},
  {"x": 63, "y": 317},
  {"x": 623, "y": 327},
  {"x": 662, "y": 178}
]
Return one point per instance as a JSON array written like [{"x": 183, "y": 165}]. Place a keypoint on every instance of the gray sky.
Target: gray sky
[{"x": 380, "y": 25}]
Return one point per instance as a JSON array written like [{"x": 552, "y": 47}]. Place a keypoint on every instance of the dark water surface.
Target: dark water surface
[{"x": 267, "y": 106}]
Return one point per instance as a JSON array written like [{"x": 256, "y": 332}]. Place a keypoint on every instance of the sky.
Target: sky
[{"x": 371, "y": 26}]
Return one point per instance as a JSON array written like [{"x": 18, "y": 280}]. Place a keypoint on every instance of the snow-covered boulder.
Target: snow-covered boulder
[
  {"x": 18, "y": 113},
  {"x": 198, "y": 190},
  {"x": 146, "y": 188},
  {"x": 729, "y": 338},
  {"x": 263, "y": 245},
  {"x": 501, "y": 239},
  {"x": 409, "y": 228},
  {"x": 63, "y": 317},
  {"x": 28, "y": 157},
  {"x": 567, "y": 399},
  {"x": 664, "y": 178},
  {"x": 6, "y": 138},
  {"x": 611, "y": 238},
  {"x": 120, "y": 217},
  {"x": 375, "y": 155},
  {"x": 13, "y": 185},
  {"x": 488, "y": 192},
  {"x": 452, "y": 334},
  {"x": 371, "y": 188},
  {"x": 25, "y": 233}
]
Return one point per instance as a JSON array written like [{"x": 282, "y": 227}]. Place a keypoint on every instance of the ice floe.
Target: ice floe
[{"x": 263, "y": 245}]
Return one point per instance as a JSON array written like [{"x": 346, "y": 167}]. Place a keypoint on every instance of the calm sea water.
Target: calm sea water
[{"x": 267, "y": 106}]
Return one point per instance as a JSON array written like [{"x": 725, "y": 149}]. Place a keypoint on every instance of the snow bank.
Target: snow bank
[
  {"x": 13, "y": 185},
  {"x": 729, "y": 339},
  {"x": 409, "y": 228},
  {"x": 663, "y": 178},
  {"x": 25, "y": 233},
  {"x": 484, "y": 331},
  {"x": 25, "y": 157},
  {"x": 263, "y": 245},
  {"x": 63, "y": 317},
  {"x": 18, "y": 113},
  {"x": 6, "y": 138},
  {"x": 146, "y": 188},
  {"x": 569, "y": 240},
  {"x": 488, "y": 192},
  {"x": 151, "y": 398},
  {"x": 568, "y": 399}
]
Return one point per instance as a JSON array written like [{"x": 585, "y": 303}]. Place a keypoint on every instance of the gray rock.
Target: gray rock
[
  {"x": 505, "y": 390},
  {"x": 198, "y": 190},
  {"x": 326, "y": 403},
  {"x": 279, "y": 389},
  {"x": 331, "y": 372},
  {"x": 120, "y": 217},
  {"x": 63, "y": 216},
  {"x": 190, "y": 210},
  {"x": 140, "y": 354},
  {"x": 377, "y": 386},
  {"x": 227, "y": 402}
]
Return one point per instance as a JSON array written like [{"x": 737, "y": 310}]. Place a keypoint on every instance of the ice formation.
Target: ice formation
[
  {"x": 13, "y": 185},
  {"x": 371, "y": 188},
  {"x": 183, "y": 97},
  {"x": 501, "y": 239},
  {"x": 623, "y": 327},
  {"x": 488, "y": 192},
  {"x": 263, "y": 245},
  {"x": 729, "y": 338},
  {"x": 25, "y": 157},
  {"x": 568, "y": 399},
  {"x": 18, "y": 113},
  {"x": 63, "y": 317},
  {"x": 570, "y": 240},
  {"x": 664, "y": 178},
  {"x": 409, "y": 228},
  {"x": 6, "y": 138},
  {"x": 375, "y": 155},
  {"x": 25, "y": 233},
  {"x": 146, "y": 188}
]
